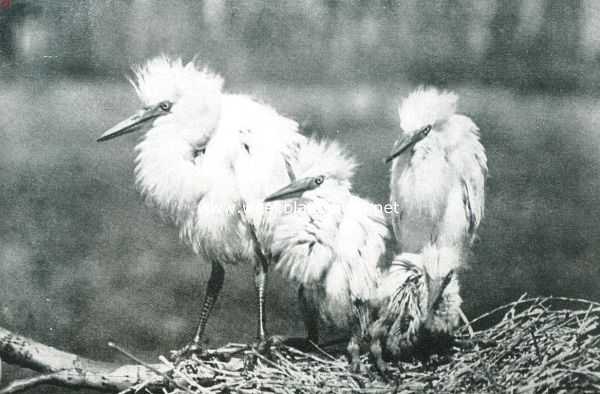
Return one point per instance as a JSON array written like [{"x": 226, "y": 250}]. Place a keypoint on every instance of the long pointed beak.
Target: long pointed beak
[
  {"x": 294, "y": 189},
  {"x": 406, "y": 143},
  {"x": 436, "y": 291},
  {"x": 132, "y": 123}
]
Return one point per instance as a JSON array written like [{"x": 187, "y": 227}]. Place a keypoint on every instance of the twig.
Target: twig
[
  {"x": 323, "y": 352},
  {"x": 135, "y": 359},
  {"x": 466, "y": 322},
  {"x": 535, "y": 347},
  {"x": 535, "y": 343}
]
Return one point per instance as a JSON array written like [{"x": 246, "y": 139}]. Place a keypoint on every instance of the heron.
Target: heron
[
  {"x": 438, "y": 173},
  {"x": 330, "y": 242},
  {"x": 205, "y": 157},
  {"x": 416, "y": 305}
]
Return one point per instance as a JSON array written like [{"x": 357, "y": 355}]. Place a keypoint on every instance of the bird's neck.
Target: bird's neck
[
  {"x": 166, "y": 172},
  {"x": 420, "y": 180}
]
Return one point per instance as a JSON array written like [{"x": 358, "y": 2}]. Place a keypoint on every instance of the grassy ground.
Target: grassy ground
[{"x": 83, "y": 260}]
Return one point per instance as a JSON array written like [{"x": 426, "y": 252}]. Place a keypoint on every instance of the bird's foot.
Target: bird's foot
[
  {"x": 385, "y": 373},
  {"x": 353, "y": 350},
  {"x": 376, "y": 356},
  {"x": 263, "y": 347},
  {"x": 192, "y": 348},
  {"x": 266, "y": 344},
  {"x": 357, "y": 367},
  {"x": 383, "y": 369}
]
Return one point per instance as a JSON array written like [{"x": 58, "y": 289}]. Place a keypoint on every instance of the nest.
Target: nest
[{"x": 531, "y": 345}]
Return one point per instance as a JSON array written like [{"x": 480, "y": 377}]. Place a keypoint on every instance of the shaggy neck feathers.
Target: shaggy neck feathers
[{"x": 166, "y": 173}]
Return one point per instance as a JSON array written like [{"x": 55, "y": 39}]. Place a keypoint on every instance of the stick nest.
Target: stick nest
[{"x": 530, "y": 345}]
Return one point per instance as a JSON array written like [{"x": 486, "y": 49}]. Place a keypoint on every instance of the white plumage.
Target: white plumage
[
  {"x": 417, "y": 303},
  {"x": 332, "y": 243},
  {"x": 437, "y": 182},
  {"x": 207, "y": 155}
]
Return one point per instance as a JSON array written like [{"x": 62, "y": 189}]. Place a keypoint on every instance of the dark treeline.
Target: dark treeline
[{"x": 530, "y": 44}]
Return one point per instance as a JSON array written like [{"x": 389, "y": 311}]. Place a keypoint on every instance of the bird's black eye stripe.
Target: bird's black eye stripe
[
  {"x": 427, "y": 129},
  {"x": 165, "y": 106},
  {"x": 319, "y": 180}
]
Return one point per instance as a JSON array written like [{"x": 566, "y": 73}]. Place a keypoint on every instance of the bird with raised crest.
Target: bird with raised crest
[
  {"x": 206, "y": 156},
  {"x": 438, "y": 173},
  {"x": 416, "y": 305},
  {"x": 330, "y": 242}
]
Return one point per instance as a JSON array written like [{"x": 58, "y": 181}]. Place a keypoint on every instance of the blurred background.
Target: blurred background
[{"x": 83, "y": 260}]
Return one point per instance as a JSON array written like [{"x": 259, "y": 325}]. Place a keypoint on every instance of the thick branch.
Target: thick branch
[
  {"x": 24, "y": 384},
  {"x": 67, "y": 369}
]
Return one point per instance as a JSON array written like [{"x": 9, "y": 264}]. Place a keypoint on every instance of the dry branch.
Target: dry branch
[
  {"x": 530, "y": 345},
  {"x": 67, "y": 369}
]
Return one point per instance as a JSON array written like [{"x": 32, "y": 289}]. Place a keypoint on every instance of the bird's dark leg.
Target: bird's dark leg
[
  {"x": 309, "y": 313},
  {"x": 311, "y": 324},
  {"x": 213, "y": 288}
]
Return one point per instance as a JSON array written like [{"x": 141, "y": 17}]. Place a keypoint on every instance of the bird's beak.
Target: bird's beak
[
  {"x": 405, "y": 144},
  {"x": 436, "y": 291},
  {"x": 294, "y": 189},
  {"x": 132, "y": 123}
]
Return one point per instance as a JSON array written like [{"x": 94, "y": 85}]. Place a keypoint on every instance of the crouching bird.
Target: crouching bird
[
  {"x": 330, "y": 242},
  {"x": 416, "y": 306},
  {"x": 206, "y": 156}
]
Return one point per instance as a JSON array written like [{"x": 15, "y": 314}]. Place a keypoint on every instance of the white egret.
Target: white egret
[
  {"x": 438, "y": 173},
  {"x": 417, "y": 304},
  {"x": 195, "y": 164},
  {"x": 330, "y": 242}
]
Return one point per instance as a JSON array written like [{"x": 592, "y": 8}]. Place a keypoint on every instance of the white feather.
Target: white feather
[
  {"x": 163, "y": 78},
  {"x": 324, "y": 157},
  {"x": 438, "y": 185},
  {"x": 334, "y": 245},
  {"x": 402, "y": 301},
  {"x": 426, "y": 106},
  {"x": 245, "y": 144}
]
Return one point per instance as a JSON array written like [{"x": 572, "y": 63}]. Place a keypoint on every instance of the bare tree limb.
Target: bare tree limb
[
  {"x": 24, "y": 384},
  {"x": 70, "y": 370}
]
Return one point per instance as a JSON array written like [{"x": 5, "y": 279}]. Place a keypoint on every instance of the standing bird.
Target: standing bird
[
  {"x": 330, "y": 242},
  {"x": 416, "y": 306},
  {"x": 194, "y": 164},
  {"x": 438, "y": 173}
]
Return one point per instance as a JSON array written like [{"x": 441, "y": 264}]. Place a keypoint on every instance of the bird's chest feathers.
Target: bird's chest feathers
[
  {"x": 421, "y": 182},
  {"x": 322, "y": 220},
  {"x": 217, "y": 208}
]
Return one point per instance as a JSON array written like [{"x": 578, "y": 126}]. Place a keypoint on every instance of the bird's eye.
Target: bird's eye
[
  {"x": 165, "y": 106},
  {"x": 319, "y": 180},
  {"x": 427, "y": 129},
  {"x": 198, "y": 151}
]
